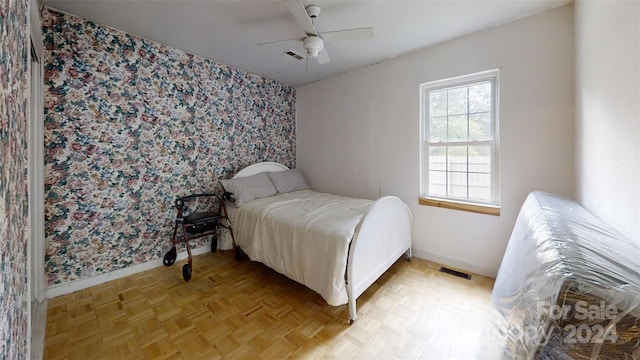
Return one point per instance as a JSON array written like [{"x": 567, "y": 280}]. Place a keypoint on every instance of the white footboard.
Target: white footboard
[{"x": 381, "y": 237}]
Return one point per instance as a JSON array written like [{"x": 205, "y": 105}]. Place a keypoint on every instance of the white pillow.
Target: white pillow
[
  {"x": 249, "y": 188},
  {"x": 288, "y": 180}
]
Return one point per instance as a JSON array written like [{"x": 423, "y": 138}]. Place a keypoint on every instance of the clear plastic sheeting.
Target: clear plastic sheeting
[{"x": 568, "y": 287}]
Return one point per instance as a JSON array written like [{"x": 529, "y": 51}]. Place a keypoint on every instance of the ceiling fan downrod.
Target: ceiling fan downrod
[{"x": 313, "y": 11}]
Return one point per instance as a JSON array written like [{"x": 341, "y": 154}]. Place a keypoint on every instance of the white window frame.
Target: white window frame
[{"x": 492, "y": 205}]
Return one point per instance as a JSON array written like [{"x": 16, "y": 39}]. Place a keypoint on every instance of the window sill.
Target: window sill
[{"x": 455, "y": 205}]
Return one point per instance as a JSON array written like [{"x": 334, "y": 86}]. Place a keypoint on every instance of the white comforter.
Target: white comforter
[{"x": 304, "y": 235}]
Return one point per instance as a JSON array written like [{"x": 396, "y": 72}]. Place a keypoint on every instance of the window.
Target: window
[{"x": 459, "y": 143}]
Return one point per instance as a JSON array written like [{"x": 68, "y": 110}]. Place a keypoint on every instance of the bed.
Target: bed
[{"x": 336, "y": 246}]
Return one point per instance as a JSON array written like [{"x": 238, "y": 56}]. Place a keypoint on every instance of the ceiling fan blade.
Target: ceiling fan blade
[
  {"x": 297, "y": 9},
  {"x": 350, "y": 34},
  {"x": 323, "y": 57},
  {"x": 279, "y": 41}
]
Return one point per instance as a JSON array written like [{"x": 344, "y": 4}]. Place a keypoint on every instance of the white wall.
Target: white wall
[
  {"x": 358, "y": 132},
  {"x": 608, "y": 112}
]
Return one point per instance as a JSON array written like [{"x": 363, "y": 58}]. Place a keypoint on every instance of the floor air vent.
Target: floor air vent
[{"x": 455, "y": 273}]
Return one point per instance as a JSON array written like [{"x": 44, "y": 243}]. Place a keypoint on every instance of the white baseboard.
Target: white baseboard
[
  {"x": 460, "y": 265},
  {"x": 38, "y": 330},
  {"x": 67, "y": 288}
]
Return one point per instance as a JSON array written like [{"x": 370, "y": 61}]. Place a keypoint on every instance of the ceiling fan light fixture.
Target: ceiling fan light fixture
[{"x": 313, "y": 45}]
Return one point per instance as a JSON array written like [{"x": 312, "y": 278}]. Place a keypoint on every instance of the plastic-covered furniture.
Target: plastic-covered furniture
[{"x": 568, "y": 287}]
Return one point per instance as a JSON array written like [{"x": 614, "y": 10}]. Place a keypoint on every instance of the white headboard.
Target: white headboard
[{"x": 260, "y": 167}]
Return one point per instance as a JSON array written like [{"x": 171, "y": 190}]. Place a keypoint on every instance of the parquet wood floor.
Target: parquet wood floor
[{"x": 244, "y": 310}]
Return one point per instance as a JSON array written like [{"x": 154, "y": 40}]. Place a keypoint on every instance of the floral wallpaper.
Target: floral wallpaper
[
  {"x": 130, "y": 125},
  {"x": 14, "y": 297}
]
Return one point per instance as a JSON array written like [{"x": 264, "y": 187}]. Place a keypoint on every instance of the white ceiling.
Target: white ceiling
[{"x": 228, "y": 31}]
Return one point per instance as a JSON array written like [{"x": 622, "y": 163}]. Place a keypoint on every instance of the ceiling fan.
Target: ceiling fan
[{"x": 313, "y": 41}]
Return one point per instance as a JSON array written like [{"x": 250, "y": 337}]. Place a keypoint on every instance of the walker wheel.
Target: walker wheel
[
  {"x": 214, "y": 243},
  {"x": 170, "y": 257},
  {"x": 186, "y": 272}
]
